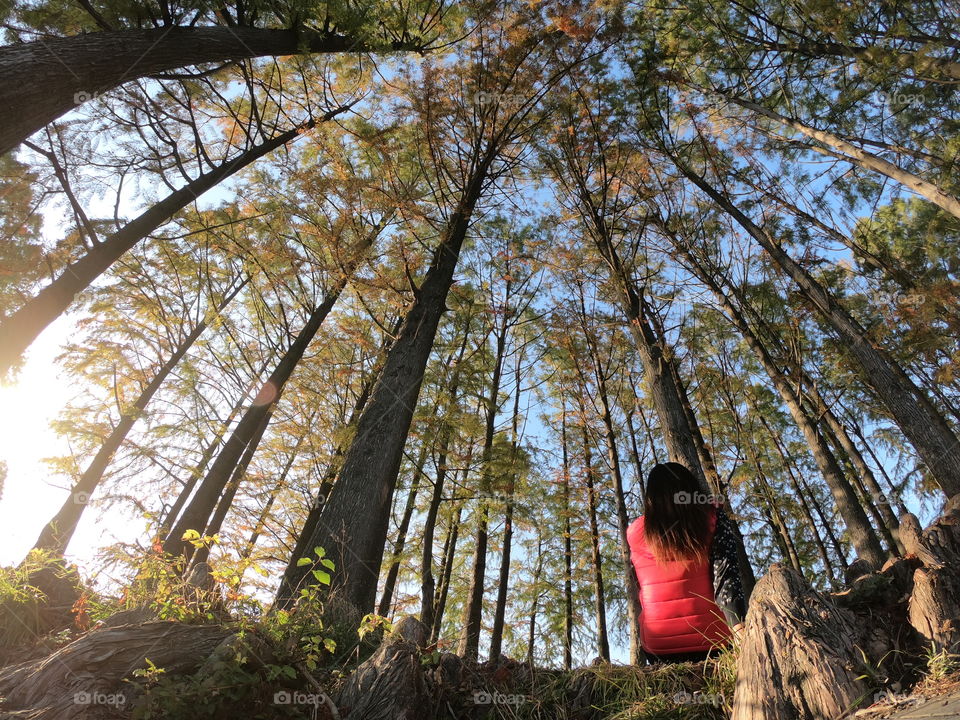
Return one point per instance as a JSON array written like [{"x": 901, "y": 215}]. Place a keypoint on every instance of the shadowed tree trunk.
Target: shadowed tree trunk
[
  {"x": 57, "y": 533},
  {"x": 64, "y": 72}
]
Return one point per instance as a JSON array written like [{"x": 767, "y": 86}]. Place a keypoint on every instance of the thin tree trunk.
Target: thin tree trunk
[
  {"x": 936, "y": 444},
  {"x": 199, "y": 470},
  {"x": 804, "y": 504},
  {"x": 65, "y": 72},
  {"x": 215, "y": 522},
  {"x": 499, "y": 615},
  {"x": 427, "y": 581},
  {"x": 888, "y": 518},
  {"x": 449, "y": 554},
  {"x": 858, "y": 156},
  {"x": 567, "y": 548},
  {"x": 473, "y": 611},
  {"x": 623, "y": 520},
  {"x": 394, "y": 569},
  {"x": 892, "y": 492},
  {"x": 532, "y": 627},
  {"x": 22, "y": 327},
  {"x": 57, "y": 533},
  {"x": 603, "y": 644}
]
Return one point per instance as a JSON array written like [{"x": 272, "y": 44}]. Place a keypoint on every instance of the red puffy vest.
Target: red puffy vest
[{"x": 679, "y": 613}]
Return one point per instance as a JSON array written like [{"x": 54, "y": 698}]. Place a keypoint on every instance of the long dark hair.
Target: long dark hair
[{"x": 676, "y": 515}]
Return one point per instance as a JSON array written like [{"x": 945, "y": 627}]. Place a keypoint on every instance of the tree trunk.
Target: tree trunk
[
  {"x": 567, "y": 548},
  {"x": 391, "y": 684},
  {"x": 907, "y": 404},
  {"x": 832, "y": 574},
  {"x": 68, "y": 71},
  {"x": 97, "y": 663},
  {"x": 355, "y": 518},
  {"x": 888, "y": 517},
  {"x": 294, "y": 574},
  {"x": 473, "y": 611},
  {"x": 532, "y": 627},
  {"x": 632, "y": 587},
  {"x": 427, "y": 582},
  {"x": 499, "y": 615},
  {"x": 196, "y": 514},
  {"x": 170, "y": 516},
  {"x": 22, "y": 327},
  {"x": 799, "y": 658},
  {"x": 858, "y": 156},
  {"x": 449, "y": 553},
  {"x": 934, "y": 607},
  {"x": 57, "y": 533}
]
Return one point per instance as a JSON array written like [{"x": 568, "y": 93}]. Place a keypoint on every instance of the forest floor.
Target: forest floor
[{"x": 211, "y": 665}]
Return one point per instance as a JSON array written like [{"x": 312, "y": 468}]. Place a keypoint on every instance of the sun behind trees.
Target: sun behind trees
[{"x": 382, "y": 313}]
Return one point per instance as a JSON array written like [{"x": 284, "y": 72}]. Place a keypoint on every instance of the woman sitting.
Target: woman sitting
[{"x": 683, "y": 551}]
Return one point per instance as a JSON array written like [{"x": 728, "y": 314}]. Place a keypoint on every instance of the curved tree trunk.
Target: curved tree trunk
[
  {"x": 65, "y": 72},
  {"x": 98, "y": 662}
]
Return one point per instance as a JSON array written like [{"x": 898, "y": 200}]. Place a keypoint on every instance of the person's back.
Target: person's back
[{"x": 684, "y": 557}]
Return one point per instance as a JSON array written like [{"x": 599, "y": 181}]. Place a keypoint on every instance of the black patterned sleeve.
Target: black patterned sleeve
[{"x": 727, "y": 587}]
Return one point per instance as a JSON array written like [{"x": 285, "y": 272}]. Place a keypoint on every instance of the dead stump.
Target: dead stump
[
  {"x": 798, "y": 659},
  {"x": 391, "y": 684},
  {"x": 934, "y": 607}
]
